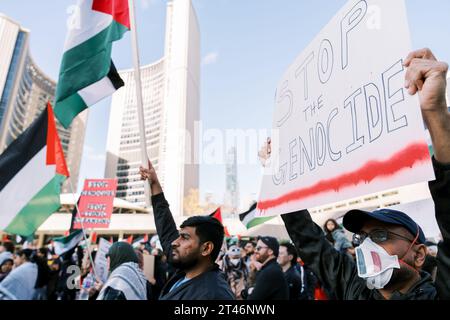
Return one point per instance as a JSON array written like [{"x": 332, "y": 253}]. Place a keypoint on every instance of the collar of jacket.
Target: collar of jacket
[
  {"x": 423, "y": 288},
  {"x": 269, "y": 263},
  {"x": 181, "y": 274}
]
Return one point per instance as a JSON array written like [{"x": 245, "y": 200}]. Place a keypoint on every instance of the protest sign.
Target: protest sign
[
  {"x": 101, "y": 267},
  {"x": 149, "y": 266},
  {"x": 96, "y": 203},
  {"x": 423, "y": 213},
  {"x": 344, "y": 125}
]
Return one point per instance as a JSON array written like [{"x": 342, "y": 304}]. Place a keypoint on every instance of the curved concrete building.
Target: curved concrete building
[{"x": 24, "y": 92}]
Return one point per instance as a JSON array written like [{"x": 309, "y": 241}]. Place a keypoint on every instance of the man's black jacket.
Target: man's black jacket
[
  {"x": 210, "y": 285},
  {"x": 294, "y": 281},
  {"x": 338, "y": 271},
  {"x": 270, "y": 283}
]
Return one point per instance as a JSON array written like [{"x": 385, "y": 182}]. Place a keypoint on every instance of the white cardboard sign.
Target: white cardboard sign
[
  {"x": 101, "y": 267},
  {"x": 149, "y": 266},
  {"x": 344, "y": 125}
]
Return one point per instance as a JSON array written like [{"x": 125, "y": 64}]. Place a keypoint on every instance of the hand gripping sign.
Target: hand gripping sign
[{"x": 345, "y": 126}]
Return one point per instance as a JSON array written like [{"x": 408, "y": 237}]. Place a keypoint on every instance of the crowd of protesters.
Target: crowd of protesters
[
  {"x": 388, "y": 256},
  {"x": 40, "y": 274}
]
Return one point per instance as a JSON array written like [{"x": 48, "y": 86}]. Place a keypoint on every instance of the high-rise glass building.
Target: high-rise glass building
[
  {"x": 231, "y": 201},
  {"x": 24, "y": 92},
  {"x": 171, "y": 101}
]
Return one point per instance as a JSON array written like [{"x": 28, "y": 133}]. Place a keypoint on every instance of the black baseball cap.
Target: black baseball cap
[
  {"x": 354, "y": 221},
  {"x": 272, "y": 243}
]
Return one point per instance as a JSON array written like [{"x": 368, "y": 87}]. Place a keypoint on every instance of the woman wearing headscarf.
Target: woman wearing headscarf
[
  {"x": 20, "y": 282},
  {"x": 126, "y": 280}
]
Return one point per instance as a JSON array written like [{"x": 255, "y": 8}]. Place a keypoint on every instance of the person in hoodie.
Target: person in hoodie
[
  {"x": 235, "y": 270},
  {"x": 192, "y": 251}
]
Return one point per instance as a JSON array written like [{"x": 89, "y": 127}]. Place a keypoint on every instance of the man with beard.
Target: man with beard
[
  {"x": 249, "y": 250},
  {"x": 270, "y": 281},
  {"x": 192, "y": 251},
  {"x": 391, "y": 251}
]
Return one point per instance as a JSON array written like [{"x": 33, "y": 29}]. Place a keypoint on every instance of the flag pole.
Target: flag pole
[
  {"x": 82, "y": 230},
  {"x": 140, "y": 106}
]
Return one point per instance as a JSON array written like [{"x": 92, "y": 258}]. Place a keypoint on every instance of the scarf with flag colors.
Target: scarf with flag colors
[
  {"x": 87, "y": 73},
  {"x": 32, "y": 170},
  {"x": 249, "y": 219}
]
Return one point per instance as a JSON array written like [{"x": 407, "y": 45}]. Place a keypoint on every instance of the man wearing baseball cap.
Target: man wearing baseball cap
[
  {"x": 270, "y": 281},
  {"x": 391, "y": 246}
]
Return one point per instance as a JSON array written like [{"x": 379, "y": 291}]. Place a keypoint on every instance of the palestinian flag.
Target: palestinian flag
[
  {"x": 87, "y": 74},
  {"x": 64, "y": 244},
  {"x": 32, "y": 170},
  {"x": 130, "y": 239},
  {"x": 218, "y": 215},
  {"x": 74, "y": 214},
  {"x": 248, "y": 217}
]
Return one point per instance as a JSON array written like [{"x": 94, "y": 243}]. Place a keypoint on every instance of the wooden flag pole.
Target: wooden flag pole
[{"x": 140, "y": 106}]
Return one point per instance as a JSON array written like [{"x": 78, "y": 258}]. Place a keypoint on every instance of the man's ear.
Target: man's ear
[
  {"x": 420, "y": 255},
  {"x": 208, "y": 248}
]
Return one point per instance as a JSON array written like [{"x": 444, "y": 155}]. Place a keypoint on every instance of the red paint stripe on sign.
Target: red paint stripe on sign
[{"x": 406, "y": 158}]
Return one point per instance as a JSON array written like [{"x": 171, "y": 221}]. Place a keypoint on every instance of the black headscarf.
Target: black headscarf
[{"x": 121, "y": 252}]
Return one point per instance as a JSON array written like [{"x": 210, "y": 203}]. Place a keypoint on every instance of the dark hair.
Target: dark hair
[
  {"x": 290, "y": 251},
  {"x": 9, "y": 246},
  {"x": 28, "y": 253},
  {"x": 207, "y": 229},
  {"x": 43, "y": 251},
  {"x": 335, "y": 224},
  {"x": 253, "y": 243}
]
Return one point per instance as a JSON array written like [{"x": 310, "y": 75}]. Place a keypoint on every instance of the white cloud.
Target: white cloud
[{"x": 210, "y": 58}]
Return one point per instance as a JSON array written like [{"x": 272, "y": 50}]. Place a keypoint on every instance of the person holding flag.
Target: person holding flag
[{"x": 192, "y": 251}]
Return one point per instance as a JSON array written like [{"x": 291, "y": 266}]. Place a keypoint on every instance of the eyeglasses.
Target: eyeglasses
[
  {"x": 259, "y": 248},
  {"x": 377, "y": 236}
]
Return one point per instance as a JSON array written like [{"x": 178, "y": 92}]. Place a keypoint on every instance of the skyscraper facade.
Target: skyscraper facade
[
  {"x": 171, "y": 108},
  {"x": 231, "y": 201}
]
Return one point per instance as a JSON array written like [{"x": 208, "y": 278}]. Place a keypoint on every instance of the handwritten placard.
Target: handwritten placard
[{"x": 345, "y": 126}]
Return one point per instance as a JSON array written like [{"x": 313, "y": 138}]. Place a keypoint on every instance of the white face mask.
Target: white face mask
[
  {"x": 235, "y": 262},
  {"x": 374, "y": 264}
]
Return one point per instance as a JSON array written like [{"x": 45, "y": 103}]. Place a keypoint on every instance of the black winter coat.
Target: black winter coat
[
  {"x": 270, "y": 283},
  {"x": 338, "y": 271}
]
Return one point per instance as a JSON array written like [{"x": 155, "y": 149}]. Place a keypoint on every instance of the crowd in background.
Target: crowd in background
[{"x": 40, "y": 274}]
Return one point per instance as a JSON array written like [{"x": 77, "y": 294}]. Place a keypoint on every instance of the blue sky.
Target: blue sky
[{"x": 246, "y": 46}]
